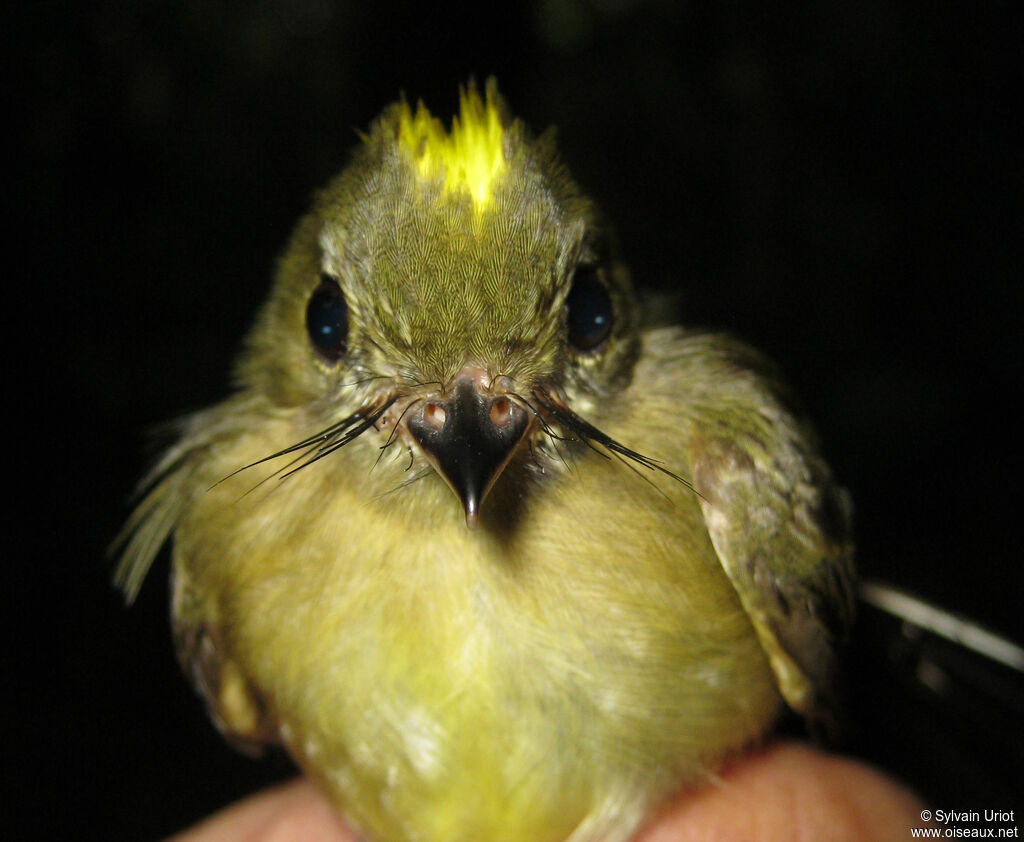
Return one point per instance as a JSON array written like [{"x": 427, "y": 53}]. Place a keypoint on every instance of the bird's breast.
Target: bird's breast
[{"x": 546, "y": 665}]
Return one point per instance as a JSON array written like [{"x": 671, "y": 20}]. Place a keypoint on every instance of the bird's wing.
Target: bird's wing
[
  {"x": 782, "y": 530},
  {"x": 168, "y": 490}
]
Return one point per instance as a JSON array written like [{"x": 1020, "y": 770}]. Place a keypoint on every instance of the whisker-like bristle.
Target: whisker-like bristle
[
  {"x": 394, "y": 432},
  {"x": 269, "y": 477},
  {"x": 407, "y": 482},
  {"x": 320, "y": 444},
  {"x": 306, "y": 444},
  {"x": 361, "y": 424},
  {"x": 535, "y": 461},
  {"x": 585, "y": 432},
  {"x": 546, "y": 428}
]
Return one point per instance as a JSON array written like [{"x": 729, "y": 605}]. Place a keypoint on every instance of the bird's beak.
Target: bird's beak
[{"x": 469, "y": 438}]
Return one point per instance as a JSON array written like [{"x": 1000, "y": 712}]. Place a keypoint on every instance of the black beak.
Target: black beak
[{"x": 469, "y": 439}]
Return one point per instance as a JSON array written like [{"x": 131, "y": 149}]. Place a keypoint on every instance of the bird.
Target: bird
[{"x": 488, "y": 556}]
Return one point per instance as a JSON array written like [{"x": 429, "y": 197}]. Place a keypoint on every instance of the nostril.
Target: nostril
[
  {"x": 434, "y": 415},
  {"x": 501, "y": 412}
]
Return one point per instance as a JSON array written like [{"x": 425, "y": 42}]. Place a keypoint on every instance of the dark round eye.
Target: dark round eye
[
  {"x": 588, "y": 310},
  {"x": 327, "y": 320}
]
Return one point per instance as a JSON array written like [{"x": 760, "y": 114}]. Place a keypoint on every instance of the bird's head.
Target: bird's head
[{"x": 455, "y": 286}]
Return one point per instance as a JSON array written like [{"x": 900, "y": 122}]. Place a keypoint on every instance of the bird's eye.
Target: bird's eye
[
  {"x": 327, "y": 320},
  {"x": 588, "y": 310}
]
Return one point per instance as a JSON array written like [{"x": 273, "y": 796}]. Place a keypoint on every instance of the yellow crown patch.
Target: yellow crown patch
[{"x": 470, "y": 156}]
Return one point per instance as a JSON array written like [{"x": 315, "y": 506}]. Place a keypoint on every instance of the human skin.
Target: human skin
[{"x": 785, "y": 792}]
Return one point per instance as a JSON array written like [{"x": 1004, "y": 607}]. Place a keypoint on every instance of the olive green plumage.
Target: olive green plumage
[{"x": 603, "y": 632}]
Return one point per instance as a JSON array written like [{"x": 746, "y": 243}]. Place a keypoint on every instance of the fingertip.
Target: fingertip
[
  {"x": 291, "y": 812},
  {"x": 790, "y": 791}
]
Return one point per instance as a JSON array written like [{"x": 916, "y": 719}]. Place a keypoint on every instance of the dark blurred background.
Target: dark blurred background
[{"x": 839, "y": 183}]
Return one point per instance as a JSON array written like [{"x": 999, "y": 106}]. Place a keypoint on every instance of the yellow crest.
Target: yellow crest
[{"x": 470, "y": 156}]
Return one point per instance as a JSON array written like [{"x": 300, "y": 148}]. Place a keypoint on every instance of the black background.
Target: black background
[{"x": 838, "y": 183}]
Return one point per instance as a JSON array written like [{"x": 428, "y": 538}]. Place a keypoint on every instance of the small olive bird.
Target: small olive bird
[{"x": 491, "y": 560}]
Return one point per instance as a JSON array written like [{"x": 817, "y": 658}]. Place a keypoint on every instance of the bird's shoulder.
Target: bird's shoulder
[{"x": 780, "y": 524}]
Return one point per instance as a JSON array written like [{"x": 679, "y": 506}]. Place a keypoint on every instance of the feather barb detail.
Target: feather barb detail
[{"x": 471, "y": 156}]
